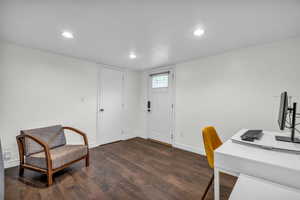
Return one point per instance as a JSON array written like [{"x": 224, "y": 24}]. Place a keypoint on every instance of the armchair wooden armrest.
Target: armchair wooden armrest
[
  {"x": 79, "y": 132},
  {"x": 87, "y": 160},
  {"x": 21, "y": 144}
]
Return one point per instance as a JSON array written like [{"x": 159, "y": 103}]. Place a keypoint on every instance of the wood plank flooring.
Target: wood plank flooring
[{"x": 131, "y": 169}]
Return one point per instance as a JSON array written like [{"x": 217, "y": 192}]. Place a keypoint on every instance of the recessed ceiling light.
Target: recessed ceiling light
[
  {"x": 132, "y": 56},
  {"x": 199, "y": 32},
  {"x": 67, "y": 34}
]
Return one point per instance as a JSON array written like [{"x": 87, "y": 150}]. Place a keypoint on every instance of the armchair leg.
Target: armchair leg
[
  {"x": 50, "y": 178},
  {"x": 21, "y": 171},
  {"x": 87, "y": 160}
]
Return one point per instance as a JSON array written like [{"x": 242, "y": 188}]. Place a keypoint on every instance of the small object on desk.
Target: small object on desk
[{"x": 252, "y": 135}]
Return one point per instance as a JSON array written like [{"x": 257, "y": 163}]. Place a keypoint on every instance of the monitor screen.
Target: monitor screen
[{"x": 283, "y": 110}]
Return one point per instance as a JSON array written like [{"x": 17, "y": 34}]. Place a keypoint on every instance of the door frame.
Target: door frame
[
  {"x": 100, "y": 100},
  {"x": 172, "y": 70}
]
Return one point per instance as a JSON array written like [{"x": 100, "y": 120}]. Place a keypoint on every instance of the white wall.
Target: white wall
[
  {"x": 237, "y": 89},
  {"x": 233, "y": 90},
  {"x": 39, "y": 89},
  {"x": 132, "y": 94}
]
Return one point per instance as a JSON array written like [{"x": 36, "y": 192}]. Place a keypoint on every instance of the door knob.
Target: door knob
[{"x": 101, "y": 110}]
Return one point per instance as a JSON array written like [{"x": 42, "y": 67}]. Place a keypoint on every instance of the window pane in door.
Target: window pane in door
[{"x": 160, "y": 81}]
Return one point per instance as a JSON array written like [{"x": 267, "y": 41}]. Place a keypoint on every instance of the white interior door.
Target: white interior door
[
  {"x": 110, "y": 106},
  {"x": 160, "y": 110}
]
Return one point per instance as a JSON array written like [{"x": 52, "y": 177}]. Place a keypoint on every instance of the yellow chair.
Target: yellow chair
[{"x": 211, "y": 142}]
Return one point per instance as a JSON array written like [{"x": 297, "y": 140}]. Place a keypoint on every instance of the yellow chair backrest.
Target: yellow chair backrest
[{"x": 211, "y": 142}]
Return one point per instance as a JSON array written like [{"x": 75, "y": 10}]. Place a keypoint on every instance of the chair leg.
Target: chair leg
[
  {"x": 87, "y": 160},
  {"x": 50, "y": 178},
  {"x": 207, "y": 187},
  {"x": 21, "y": 171}
]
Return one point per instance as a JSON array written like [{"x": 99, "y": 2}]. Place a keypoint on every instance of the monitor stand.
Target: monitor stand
[
  {"x": 287, "y": 139},
  {"x": 292, "y": 138}
]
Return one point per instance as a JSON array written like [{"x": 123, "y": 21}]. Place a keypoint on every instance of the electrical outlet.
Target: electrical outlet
[{"x": 181, "y": 134}]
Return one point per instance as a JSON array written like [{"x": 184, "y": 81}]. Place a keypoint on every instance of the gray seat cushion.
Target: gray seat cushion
[
  {"x": 60, "y": 156},
  {"x": 54, "y": 136}
]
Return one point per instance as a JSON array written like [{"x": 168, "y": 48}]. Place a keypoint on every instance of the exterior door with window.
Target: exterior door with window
[{"x": 160, "y": 106}]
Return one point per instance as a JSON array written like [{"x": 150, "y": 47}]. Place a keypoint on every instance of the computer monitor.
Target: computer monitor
[{"x": 283, "y": 109}]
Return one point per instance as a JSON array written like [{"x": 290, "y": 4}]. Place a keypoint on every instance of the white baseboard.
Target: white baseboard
[
  {"x": 11, "y": 163},
  {"x": 143, "y": 136},
  {"x": 128, "y": 136},
  {"x": 197, "y": 150},
  {"x": 92, "y": 145},
  {"x": 189, "y": 148}
]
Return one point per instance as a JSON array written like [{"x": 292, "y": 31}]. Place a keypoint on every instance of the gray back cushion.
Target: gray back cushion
[{"x": 54, "y": 136}]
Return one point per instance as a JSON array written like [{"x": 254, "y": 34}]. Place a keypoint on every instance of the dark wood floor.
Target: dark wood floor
[{"x": 132, "y": 169}]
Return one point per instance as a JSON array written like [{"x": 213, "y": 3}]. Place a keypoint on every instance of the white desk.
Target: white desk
[
  {"x": 278, "y": 167},
  {"x": 249, "y": 188}
]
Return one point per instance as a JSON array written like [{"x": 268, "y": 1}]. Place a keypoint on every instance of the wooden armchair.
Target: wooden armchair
[{"x": 45, "y": 150}]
